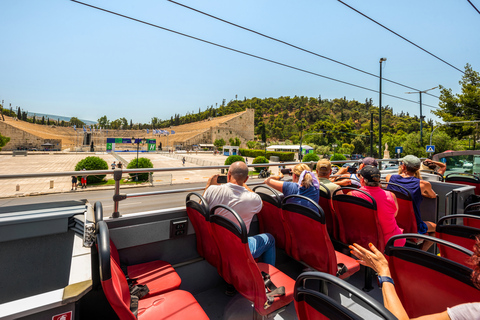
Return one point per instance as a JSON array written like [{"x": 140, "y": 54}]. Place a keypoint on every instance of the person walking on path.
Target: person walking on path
[
  {"x": 120, "y": 165},
  {"x": 74, "y": 182},
  {"x": 183, "y": 161},
  {"x": 114, "y": 165},
  {"x": 84, "y": 180}
]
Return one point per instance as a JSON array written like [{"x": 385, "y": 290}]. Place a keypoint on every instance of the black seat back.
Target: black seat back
[{"x": 336, "y": 299}]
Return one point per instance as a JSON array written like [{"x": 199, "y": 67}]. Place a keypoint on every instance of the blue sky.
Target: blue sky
[{"x": 62, "y": 58}]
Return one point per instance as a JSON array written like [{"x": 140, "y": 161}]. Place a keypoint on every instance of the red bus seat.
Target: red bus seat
[
  {"x": 325, "y": 201},
  {"x": 199, "y": 215},
  {"x": 357, "y": 219},
  {"x": 311, "y": 243},
  {"x": 474, "y": 210},
  {"x": 176, "y": 304},
  {"x": 270, "y": 217},
  {"x": 466, "y": 179},
  {"x": 240, "y": 269},
  {"x": 464, "y": 236},
  {"x": 406, "y": 210},
  {"x": 158, "y": 275},
  {"x": 427, "y": 283},
  {"x": 325, "y": 303}
]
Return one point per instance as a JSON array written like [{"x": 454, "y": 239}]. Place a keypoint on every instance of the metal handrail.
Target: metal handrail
[{"x": 117, "y": 174}]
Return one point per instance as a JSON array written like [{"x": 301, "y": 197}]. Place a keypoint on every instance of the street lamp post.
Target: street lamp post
[
  {"x": 421, "y": 116},
  {"x": 380, "y": 111},
  {"x": 137, "y": 141}
]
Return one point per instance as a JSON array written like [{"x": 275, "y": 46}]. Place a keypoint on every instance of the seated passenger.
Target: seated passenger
[
  {"x": 238, "y": 196},
  {"x": 409, "y": 178},
  {"x": 376, "y": 260},
  {"x": 387, "y": 206},
  {"x": 304, "y": 183},
  {"x": 354, "y": 175},
  {"x": 324, "y": 170}
]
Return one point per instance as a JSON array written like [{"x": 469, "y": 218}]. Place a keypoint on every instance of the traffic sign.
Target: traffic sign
[
  {"x": 430, "y": 149},
  {"x": 398, "y": 149}
]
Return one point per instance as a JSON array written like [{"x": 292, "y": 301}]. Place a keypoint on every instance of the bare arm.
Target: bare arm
[
  {"x": 343, "y": 182},
  {"x": 211, "y": 181},
  {"x": 442, "y": 167},
  {"x": 375, "y": 260},
  {"x": 274, "y": 183},
  {"x": 343, "y": 170},
  {"x": 387, "y": 178},
  {"x": 396, "y": 203},
  {"x": 427, "y": 190}
]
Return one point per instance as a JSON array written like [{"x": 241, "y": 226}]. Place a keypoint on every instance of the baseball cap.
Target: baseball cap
[
  {"x": 369, "y": 161},
  {"x": 370, "y": 173},
  {"x": 324, "y": 165},
  {"x": 411, "y": 161}
]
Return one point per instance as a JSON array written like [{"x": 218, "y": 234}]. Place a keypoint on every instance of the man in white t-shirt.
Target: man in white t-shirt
[{"x": 238, "y": 196}]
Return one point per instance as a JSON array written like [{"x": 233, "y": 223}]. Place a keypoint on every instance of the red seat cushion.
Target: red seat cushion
[
  {"x": 351, "y": 264},
  {"x": 279, "y": 279},
  {"x": 174, "y": 305},
  {"x": 158, "y": 275}
]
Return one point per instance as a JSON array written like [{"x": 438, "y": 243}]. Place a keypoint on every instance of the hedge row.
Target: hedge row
[{"x": 283, "y": 156}]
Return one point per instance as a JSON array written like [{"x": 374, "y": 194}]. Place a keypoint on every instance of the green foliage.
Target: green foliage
[
  {"x": 282, "y": 156},
  {"x": 461, "y": 107},
  {"x": 323, "y": 150},
  {"x": 219, "y": 143},
  {"x": 310, "y": 157},
  {"x": 251, "y": 144},
  {"x": 233, "y": 158},
  {"x": 73, "y": 121},
  {"x": 3, "y": 141},
  {"x": 103, "y": 122},
  {"x": 235, "y": 142},
  {"x": 142, "y": 163},
  {"x": 346, "y": 148},
  {"x": 359, "y": 145},
  {"x": 92, "y": 163},
  {"x": 259, "y": 159},
  {"x": 338, "y": 157}
]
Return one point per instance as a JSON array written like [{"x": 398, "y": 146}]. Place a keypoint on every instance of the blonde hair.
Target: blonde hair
[
  {"x": 307, "y": 181},
  {"x": 416, "y": 174}
]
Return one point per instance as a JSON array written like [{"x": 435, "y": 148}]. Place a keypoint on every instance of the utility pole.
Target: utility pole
[
  {"x": 371, "y": 135},
  {"x": 421, "y": 116},
  {"x": 380, "y": 113}
]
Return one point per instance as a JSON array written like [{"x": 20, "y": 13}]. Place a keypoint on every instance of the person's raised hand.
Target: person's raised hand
[
  {"x": 373, "y": 259},
  {"x": 212, "y": 180}
]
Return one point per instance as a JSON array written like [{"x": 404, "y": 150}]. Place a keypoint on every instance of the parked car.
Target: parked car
[{"x": 467, "y": 165}]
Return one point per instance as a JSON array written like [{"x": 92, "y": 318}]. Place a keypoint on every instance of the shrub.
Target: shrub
[
  {"x": 232, "y": 159},
  {"x": 92, "y": 163},
  {"x": 142, "y": 163},
  {"x": 259, "y": 159},
  {"x": 310, "y": 157},
  {"x": 283, "y": 156},
  {"x": 338, "y": 157}
]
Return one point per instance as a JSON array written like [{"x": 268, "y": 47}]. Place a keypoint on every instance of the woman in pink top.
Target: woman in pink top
[{"x": 387, "y": 206}]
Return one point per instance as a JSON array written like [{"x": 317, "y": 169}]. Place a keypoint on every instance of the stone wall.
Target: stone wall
[
  {"x": 241, "y": 127},
  {"x": 20, "y": 139}
]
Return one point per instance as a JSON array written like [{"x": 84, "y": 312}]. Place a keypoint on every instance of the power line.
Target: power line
[
  {"x": 398, "y": 35},
  {"x": 473, "y": 6},
  {"x": 293, "y": 46},
  {"x": 244, "y": 53}
]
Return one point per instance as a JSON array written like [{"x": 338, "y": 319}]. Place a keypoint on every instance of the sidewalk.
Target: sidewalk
[{"x": 62, "y": 162}]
